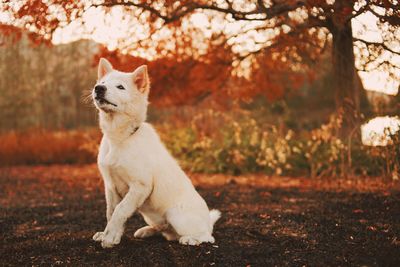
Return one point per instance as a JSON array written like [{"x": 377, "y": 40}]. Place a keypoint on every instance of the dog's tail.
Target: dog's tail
[{"x": 214, "y": 216}]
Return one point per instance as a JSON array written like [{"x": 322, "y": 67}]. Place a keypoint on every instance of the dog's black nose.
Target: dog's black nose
[{"x": 100, "y": 90}]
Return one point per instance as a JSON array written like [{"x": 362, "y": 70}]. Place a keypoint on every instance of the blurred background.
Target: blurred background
[{"x": 291, "y": 88}]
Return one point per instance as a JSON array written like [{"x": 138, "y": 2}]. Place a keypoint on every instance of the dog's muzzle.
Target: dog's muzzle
[{"x": 100, "y": 93}]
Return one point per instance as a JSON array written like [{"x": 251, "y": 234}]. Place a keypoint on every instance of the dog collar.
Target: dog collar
[{"x": 135, "y": 130}]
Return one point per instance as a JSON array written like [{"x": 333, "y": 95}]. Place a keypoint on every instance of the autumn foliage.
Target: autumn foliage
[
  {"x": 189, "y": 81},
  {"x": 173, "y": 81},
  {"x": 288, "y": 35},
  {"x": 48, "y": 147}
]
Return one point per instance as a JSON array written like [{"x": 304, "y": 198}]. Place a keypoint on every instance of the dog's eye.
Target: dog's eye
[{"x": 121, "y": 87}]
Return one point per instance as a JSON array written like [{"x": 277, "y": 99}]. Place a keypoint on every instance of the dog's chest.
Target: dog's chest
[
  {"x": 119, "y": 172},
  {"x": 119, "y": 179}
]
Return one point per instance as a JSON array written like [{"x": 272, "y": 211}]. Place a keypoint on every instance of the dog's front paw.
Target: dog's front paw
[
  {"x": 108, "y": 239},
  {"x": 111, "y": 239},
  {"x": 196, "y": 240},
  {"x": 98, "y": 236}
]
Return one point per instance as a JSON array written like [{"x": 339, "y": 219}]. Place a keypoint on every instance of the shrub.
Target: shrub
[
  {"x": 47, "y": 147},
  {"x": 214, "y": 142}
]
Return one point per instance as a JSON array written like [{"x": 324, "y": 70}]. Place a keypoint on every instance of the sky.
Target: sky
[
  {"x": 375, "y": 132},
  {"x": 365, "y": 27}
]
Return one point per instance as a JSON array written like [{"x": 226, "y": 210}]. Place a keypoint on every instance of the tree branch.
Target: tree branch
[
  {"x": 360, "y": 11},
  {"x": 178, "y": 13},
  {"x": 383, "y": 45}
]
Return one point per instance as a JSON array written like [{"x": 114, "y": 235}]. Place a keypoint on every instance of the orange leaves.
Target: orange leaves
[
  {"x": 194, "y": 61},
  {"x": 272, "y": 77},
  {"x": 174, "y": 82},
  {"x": 34, "y": 12},
  {"x": 14, "y": 34},
  {"x": 30, "y": 8},
  {"x": 43, "y": 17},
  {"x": 120, "y": 61},
  {"x": 48, "y": 147},
  {"x": 187, "y": 81},
  {"x": 11, "y": 31}
]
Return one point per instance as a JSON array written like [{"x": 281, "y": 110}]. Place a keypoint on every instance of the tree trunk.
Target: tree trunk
[{"x": 347, "y": 90}]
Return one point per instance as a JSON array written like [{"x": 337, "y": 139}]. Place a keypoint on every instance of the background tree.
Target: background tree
[
  {"x": 47, "y": 95},
  {"x": 296, "y": 31}
]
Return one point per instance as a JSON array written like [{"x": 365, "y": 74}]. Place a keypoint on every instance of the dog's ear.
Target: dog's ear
[
  {"x": 141, "y": 79},
  {"x": 104, "y": 68}
]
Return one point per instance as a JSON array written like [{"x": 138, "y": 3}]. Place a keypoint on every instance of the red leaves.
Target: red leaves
[
  {"x": 11, "y": 31},
  {"x": 186, "y": 76},
  {"x": 34, "y": 12},
  {"x": 173, "y": 82},
  {"x": 45, "y": 147}
]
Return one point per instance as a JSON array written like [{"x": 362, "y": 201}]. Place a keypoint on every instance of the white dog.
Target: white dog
[{"x": 138, "y": 172}]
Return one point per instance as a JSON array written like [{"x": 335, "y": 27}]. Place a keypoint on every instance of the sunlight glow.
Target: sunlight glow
[
  {"x": 379, "y": 81},
  {"x": 376, "y": 132},
  {"x": 366, "y": 27},
  {"x": 102, "y": 28}
]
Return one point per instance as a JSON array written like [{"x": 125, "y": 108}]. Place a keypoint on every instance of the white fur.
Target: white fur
[{"x": 138, "y": 172}]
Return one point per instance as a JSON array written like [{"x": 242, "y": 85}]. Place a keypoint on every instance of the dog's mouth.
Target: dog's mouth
[{"x": 103, "y": 101}]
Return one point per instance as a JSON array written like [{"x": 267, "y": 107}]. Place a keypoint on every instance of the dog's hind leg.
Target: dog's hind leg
[
  {"x": 156, "y": 222},
  {"x": 170, "y": 234},
  {"x": 145, "y": 231},
  {"x": 192, "y": 228}
]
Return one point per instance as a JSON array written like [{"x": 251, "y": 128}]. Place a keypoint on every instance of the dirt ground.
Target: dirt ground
[{"x": 49, "y": 214}]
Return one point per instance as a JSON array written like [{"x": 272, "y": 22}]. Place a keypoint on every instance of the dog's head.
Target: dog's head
[{"x": 121, "y": 93}]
